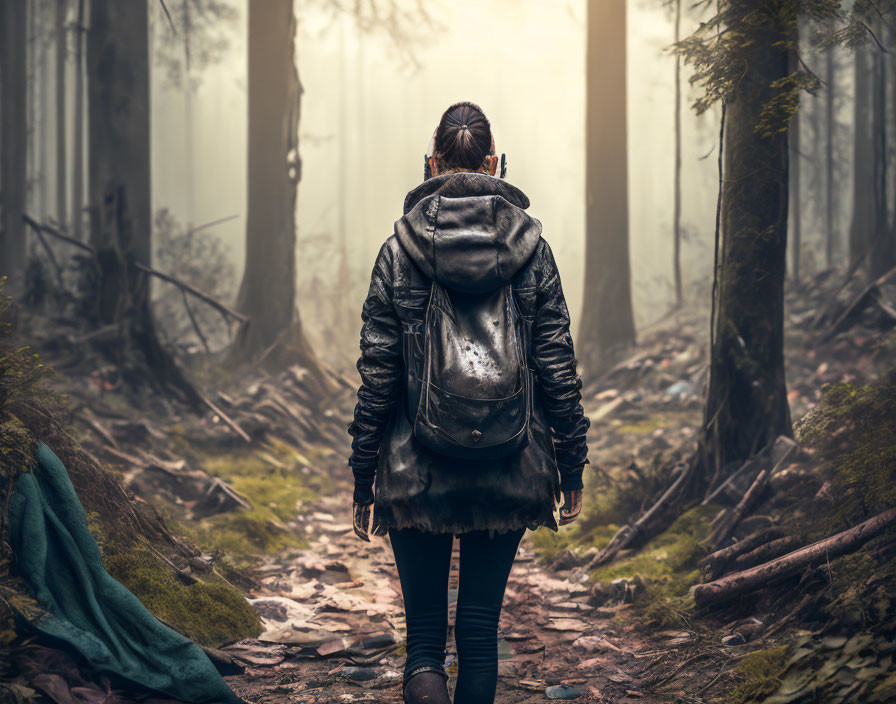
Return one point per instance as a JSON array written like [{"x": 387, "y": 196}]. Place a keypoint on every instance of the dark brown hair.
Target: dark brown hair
[{"x": 464, "y": 136}]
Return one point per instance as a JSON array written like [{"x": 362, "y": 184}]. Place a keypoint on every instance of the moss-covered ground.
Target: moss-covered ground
[
  {"x": 210, "y": 611},
  {"x": 278, "y": 482}
]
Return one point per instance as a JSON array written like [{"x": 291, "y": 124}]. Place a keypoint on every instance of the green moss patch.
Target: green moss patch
[
  {"x": 208, "y": 613},
  {"x": 668, "y": 567},
  {"x": 852, "y": 427},
  {"x": 277, "y": 480},
  {"x": 759, "y": 675}
]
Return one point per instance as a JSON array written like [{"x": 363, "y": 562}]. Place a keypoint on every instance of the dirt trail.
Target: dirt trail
[{"x": 335, "y": 627}]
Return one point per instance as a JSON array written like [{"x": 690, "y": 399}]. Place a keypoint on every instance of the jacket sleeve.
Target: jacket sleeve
[
  {"x": 552, "y": 352},
  {"x": 381, "y": 367}
]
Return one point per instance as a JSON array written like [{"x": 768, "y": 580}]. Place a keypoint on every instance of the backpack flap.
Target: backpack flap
[{"x": 475, "y": 395}]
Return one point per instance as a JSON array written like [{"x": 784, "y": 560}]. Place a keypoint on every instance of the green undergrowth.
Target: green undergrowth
[
  {"x": 278, "y": 482},
  {"x": 210, "y": 613},
  {"x": 667, "y": 565},
  {"x": 852, "y": 428},
  {"x": 758, "y": 675},
  {"x": 657, "y": 421}
]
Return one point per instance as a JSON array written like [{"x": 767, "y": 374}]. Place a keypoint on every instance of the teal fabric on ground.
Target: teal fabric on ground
[{"x": 87, "y": 608}]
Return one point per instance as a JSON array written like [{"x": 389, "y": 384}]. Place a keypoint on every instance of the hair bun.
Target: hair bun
[{"x": 463, "y": 137}]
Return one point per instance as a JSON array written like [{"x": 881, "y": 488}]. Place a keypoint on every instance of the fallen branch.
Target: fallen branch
[
  {"x": 223, "y": 416},
  {"x": 810, "y": 556},
  {"x": 783, "y": 621},
  {"x": 869, "y": 294},
  {"x": 647, "y": 523},
  {"x": 769, "y": 551},
  {"x": 714, "y": 565},
  {"x": 193, "y": 320},
  {"x": 217, "y": 305},
  {"x": 50, "y": 254},
  {"x": 729, "y": 518},
  {"x": 56, "y": 233},
  {"x": 731, "y": 477}
]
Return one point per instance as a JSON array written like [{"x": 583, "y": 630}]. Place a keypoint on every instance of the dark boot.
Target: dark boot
[{"x": 426, "y": 687}]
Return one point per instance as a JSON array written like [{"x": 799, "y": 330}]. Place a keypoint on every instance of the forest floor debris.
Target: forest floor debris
[{"x": 278, "y": 508}]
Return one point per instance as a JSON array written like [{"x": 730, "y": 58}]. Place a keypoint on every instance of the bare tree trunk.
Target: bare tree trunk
[
  {"x": 746, "y": 405},
  {"x": 43, "y": 135},
  {"x": 121, "y": 235},
  {"x": 78, "y": 156},
  {"x": 830, "y": 127},
  {"x": 267, "y": 292},
  {"x": 860, "y": 232},
  {"x": 679, "y": 296},
  {"x": 883, "y": 252},
  {"x": 13, "y": 140},
  {"x": 795, "y": 195},
  {"x": 61, "y": 161},
  {"x": 607, "y": 320},
  {"x": 118, "y": 70}
]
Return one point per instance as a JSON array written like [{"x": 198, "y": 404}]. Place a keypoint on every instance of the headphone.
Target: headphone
[{"x": 429, "y": 160}]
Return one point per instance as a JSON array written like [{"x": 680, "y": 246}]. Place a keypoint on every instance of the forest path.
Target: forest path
[{"x": 335, "y": 626}]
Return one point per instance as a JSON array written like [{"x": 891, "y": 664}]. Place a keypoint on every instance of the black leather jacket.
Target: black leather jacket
[{"x": 470, "y": 232}]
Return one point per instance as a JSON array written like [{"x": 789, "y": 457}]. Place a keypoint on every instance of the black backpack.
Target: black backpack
[{"x": 475, "y": 390}]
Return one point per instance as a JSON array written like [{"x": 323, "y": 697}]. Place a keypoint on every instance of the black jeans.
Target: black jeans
[{"x": 423, "y": 561}]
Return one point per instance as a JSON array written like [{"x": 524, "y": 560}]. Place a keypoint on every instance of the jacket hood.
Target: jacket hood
[{"x": 468, "y": 231}]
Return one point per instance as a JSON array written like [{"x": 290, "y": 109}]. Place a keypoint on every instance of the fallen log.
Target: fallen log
[
  {"x": 714, "y": 565},
  {"x": 769, "y": 551},
  {"x": 810, "y": 556}
]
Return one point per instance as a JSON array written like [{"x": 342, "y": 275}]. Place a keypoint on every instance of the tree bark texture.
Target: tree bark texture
[
  {"x": 676, "y": 216},
  {"x": 78, "y": 137},
  {"x": 118, "y": 94},
  {"x": 607, "y": 323},
  {"x": 830, "y": 127},
  {"x": 119, "y": 189},
  {"x": 61, "y": 160},
  {"x": 860, "y": 229},
  {"x": 762, "y": 575},
  {"x": 883, "y": 251},
  {"x": 795, "y": 193},
  {"x": 267, "y": 291},
  {"x": 13, "y": 140},
  {"x": 747, "y": 400}
]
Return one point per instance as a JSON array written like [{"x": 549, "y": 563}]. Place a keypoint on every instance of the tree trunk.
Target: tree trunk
[
  {"x": 676, "y": 226},
  {"x": 607, "y": 321},
  {"x": 42, "y": 132},
  {"x": 118, "y": 85},
  {"x": 119, "y": 184},
  {"x": 883, "y": 252},
  {"x": 13, "y": 140},
  {"x": 746, "y": 405},
  {"x": 796, "y": 214},
  {"x": 78, "y": 156},
  {"x": 860, "y": 231},
  {"x": 830, "y": 127},
  {"x": 61, "y": 161},
  {"x": 267, "y": 291}
]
